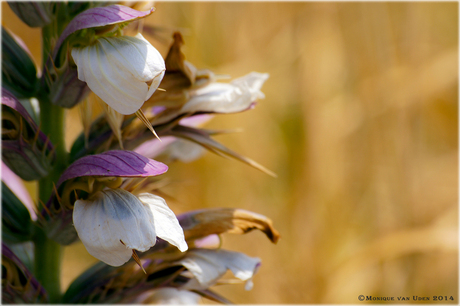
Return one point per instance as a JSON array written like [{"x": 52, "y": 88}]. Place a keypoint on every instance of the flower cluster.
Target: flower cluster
[{"x": 104, "y": 191}]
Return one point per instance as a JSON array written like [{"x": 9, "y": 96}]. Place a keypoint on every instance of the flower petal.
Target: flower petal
[
  {"x": 209, "y": 265},
  {"x": 154, "y": 147},
  {"x": 135, "y": 54},
  {"x": 123, "y": 71},
  {"x": 166, "y": 224},
  {"x": 236, "y": 96},
  {"x": 228, "y": 98},
  {"x": 203, "y": 222},
  {"x": 118, "y": 88},
  {"x": 173, "y": 296},
  {"x": 111, "y": 224}
]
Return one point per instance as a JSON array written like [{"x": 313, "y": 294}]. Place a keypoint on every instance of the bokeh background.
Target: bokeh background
[{"x": 360, "y": 123}]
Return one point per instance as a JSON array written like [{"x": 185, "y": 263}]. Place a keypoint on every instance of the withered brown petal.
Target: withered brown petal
[
  {"x": 175, "y": 60},
  {"x": 201, "y": 223}
]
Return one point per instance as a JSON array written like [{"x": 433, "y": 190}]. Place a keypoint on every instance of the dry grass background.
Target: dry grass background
[{"x": 360, "y": 122}]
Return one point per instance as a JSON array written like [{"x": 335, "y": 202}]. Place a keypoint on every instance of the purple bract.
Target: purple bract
[
  {"x": 98, "y": 17},
  {"x": 116, "y": 163}
]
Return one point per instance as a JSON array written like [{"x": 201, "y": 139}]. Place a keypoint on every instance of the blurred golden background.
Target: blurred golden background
[{"x": 360, "y": 122}]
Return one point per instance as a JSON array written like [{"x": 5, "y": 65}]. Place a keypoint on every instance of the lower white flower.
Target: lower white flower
[
  {"x": 114, "y": 222},
  {"x": 208, "y": 266},
  {"x": 173, "y": 296}
]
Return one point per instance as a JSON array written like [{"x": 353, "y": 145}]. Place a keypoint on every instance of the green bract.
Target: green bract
[
  {"x": 34, "y": 13},
  {"x": 19, "y": 75},
  {"x": 16, "y": 222}
]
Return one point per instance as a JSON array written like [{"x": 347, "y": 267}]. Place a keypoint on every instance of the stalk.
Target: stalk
[{"x": 48, "y": 253}]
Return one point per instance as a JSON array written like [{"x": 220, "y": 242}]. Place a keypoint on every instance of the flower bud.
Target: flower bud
[
  {"x": 19, "y": 75},
  {"x": 67, "y": 90},
  {"x": 25, "y": 160},
  {"x": 25, "y": 149},
  {"x": 34, "y": 13},
  {"x": 19, "y": 286}
]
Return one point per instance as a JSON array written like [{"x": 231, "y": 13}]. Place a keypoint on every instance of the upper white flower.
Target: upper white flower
[
  {"x": 230, "y": 97},
  {"x": 123, "y": 71},
  {"x": 225, "y": 98},
  {"x": 114, "y": 222}
]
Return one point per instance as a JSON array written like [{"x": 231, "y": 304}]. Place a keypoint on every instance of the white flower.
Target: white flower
[
  {"x": 207, "y": 266},
  {"x": 230, "y": 97},
  {"x": 225, "y": 98},
  {"x": 173, "y": 296},
  {"x": 185, "y": 151},
  {"x": 123, "y": 71},
  {"x": 114, "y": 222}
]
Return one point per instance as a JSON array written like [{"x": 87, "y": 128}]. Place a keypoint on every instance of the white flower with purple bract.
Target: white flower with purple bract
[{"x": 114, "y": 222}]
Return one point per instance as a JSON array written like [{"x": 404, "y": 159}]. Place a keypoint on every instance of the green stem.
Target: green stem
[
  {"x": 48, "y": 253},
  {"x": 52, "y": 123}
]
